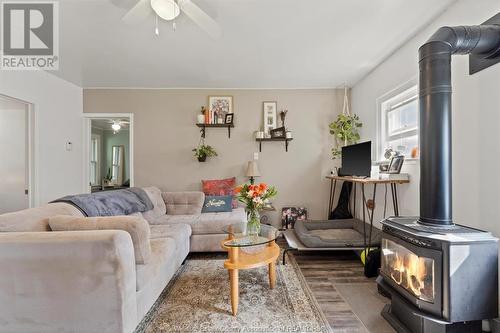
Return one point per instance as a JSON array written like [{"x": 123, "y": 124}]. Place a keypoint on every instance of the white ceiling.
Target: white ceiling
[{"x": 265, "y": 43}]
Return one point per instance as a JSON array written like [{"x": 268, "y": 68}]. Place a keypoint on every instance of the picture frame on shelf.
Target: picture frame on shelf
[
  {"x": 228, "y": 120},
  {"x": 218, "y": 108},
  {"x": 396, "y": 164},
  {"x": 269, "y": 110},
  {"x": 278, "y": 133}
]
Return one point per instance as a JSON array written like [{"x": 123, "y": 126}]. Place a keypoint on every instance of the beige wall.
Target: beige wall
[{"x": 165, "y": 133}]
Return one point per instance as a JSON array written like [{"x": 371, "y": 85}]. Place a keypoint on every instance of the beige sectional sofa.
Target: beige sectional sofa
[{"x": 89, "y": 280}]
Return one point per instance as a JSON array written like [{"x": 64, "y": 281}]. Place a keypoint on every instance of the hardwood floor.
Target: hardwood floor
[{"x": 325, "y": 272}]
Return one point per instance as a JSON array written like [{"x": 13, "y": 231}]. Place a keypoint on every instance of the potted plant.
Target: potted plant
[
  {"x": 345, "y": 130},
  {"x": 255, "y": 197},
  {"x": 203, "y": 151}
]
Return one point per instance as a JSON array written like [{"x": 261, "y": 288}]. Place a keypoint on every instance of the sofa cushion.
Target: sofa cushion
[
  {"x": 154, "y": 195},
  {"x": 183, "y": 203},
  {"x": 176, "y": 231},
  {"x": 36, "y": 219},
  {"x": 220, "y": 187},
  {"x": 206, "y": 223},
  {"x": 163, "y": 262},
  {"x": 137, "y": 227},
  {"x": 217, "y": 204}
]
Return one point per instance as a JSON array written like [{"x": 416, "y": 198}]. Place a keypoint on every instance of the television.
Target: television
[{"x": 357, "y": 160}]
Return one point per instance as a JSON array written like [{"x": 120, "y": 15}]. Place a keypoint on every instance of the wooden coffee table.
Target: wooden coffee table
[{"x": 249, "y": 251}]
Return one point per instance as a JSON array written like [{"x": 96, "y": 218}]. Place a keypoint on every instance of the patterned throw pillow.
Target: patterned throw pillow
[
  {"x": 217, "y": 204},
  {"x": 220, "y": 187}
]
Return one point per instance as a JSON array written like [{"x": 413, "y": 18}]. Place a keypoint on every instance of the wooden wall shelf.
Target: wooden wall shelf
[
  {"x": 205, "y": 126},
  {"x": 285, "y": 140}
]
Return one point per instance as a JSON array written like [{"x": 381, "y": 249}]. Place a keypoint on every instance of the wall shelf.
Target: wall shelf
[
  {"x": 205, "y": 126},
  {"x": 285, "y": 140}
]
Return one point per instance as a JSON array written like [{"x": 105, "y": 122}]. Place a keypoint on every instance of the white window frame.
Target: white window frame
[{"x": 403, "y": 94}]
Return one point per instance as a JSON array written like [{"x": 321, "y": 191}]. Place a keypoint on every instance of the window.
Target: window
[
  {"x": 398, "y": 126},
  {"x": 95, "y": 144}
]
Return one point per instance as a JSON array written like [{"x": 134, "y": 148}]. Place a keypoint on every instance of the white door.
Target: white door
[{"x": 13, "y": 155}]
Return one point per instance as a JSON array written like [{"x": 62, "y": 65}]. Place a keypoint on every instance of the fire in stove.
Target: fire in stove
[{"x": 413, "y": 273}]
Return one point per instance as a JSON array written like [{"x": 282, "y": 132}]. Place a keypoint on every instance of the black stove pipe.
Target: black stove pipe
[{"x": 435, "y": 112}]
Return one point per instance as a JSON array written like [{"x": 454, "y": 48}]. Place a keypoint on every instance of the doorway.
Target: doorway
[
  {"x": 16, "y": 149},
  {"x": 109, "y": 152}
]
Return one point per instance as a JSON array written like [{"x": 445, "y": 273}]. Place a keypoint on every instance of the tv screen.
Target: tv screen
[{"x": 357, "y": 160}]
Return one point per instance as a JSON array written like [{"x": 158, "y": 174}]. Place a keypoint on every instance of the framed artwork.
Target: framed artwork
[
  {"x": 396, "y": 164},
  {"x": 279, "y": 132},
  {"x": 270, "y": 109},
  {"x": 219, "y": 106},
  {"x": 290, "y": 215},
  {"x": 229, "y": 118}
]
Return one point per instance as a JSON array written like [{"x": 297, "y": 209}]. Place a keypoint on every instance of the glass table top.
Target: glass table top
[{"x": 240, "y": 237}]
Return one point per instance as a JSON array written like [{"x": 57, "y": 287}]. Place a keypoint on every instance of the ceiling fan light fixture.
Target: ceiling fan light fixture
[
  {"x": 166, "y": 9},
  {"x": 116, "y": 127}
]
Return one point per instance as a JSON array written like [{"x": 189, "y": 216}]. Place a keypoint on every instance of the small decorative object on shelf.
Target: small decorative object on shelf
[
  {"x": 218, "y": 108},
  {"x": 279, "y": 132},
  {"x": 255, "y": 197},
  {"x": 289, "y": 134},
  {"x": 229, "y": 118},
  {"x": 203, "y": 151},
  {"x": 259, "y": 135},
  {"x": 269, "y": 109},
  {"x": 283, "y": 116},
  {"x": 201, "y": 117}
]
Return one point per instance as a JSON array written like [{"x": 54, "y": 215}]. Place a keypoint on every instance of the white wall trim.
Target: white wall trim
[
  {"x": 32, "y": 174},
  {"x": 87, "y": 133}
]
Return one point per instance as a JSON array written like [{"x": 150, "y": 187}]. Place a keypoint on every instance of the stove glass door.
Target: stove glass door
[{"x": 405, "y": 268}]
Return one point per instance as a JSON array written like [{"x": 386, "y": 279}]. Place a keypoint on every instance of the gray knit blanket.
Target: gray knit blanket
[{"x": 110, "y": 203}]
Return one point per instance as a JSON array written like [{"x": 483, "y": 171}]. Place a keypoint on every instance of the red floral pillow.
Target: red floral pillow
[{"x": 220, "y": 187}]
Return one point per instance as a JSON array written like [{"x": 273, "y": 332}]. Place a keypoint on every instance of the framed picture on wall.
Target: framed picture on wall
[
  {"x": 270, "y": 109},
  {"x": 219, "y": 107}
]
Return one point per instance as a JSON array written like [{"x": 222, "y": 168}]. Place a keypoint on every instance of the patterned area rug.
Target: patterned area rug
[{"x": 197, "y": 300}]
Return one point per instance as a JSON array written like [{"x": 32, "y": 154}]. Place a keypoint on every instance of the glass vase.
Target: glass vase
[{"x": 253, "y": 224}]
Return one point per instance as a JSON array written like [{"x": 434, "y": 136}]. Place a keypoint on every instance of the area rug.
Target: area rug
[{"x": 197, "y": 300}]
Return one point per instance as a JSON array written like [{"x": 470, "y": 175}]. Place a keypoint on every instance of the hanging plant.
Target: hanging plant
[
  {"x": 345, "y": 129},
  {"x": 203, "y": 151}
]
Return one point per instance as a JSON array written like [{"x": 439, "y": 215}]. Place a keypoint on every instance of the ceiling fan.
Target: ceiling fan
[
  {"x": 169, "y": 10},
  {"x": 117, "y": 124}
]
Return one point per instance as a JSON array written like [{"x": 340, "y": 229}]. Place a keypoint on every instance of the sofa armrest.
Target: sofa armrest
[
  {"x": 76, "y": 281},
  {"x": 184, "y": 203}
]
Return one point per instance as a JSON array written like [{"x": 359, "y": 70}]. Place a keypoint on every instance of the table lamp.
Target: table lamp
[{"x": 252, "y": 171}]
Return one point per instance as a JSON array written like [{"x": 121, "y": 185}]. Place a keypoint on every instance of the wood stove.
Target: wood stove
[
  {"x": 439, "y": 279},
  {"x": 441, "y": 276}
]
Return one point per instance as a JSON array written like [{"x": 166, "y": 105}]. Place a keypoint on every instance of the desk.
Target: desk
[{"x": 365, "y": 181}]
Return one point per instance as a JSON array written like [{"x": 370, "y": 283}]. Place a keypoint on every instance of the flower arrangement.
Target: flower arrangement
[{"x": 255, "y": 197}]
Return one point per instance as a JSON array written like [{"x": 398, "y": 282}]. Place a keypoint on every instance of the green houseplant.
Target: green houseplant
[
  {"x": 345, "y": 130},
  {"x": 203, "y": 151}
]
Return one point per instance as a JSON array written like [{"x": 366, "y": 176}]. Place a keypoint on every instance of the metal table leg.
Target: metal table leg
[{"x": 395, "y": 204}]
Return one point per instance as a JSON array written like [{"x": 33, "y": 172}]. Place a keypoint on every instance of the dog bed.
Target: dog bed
[{"x": 336, "y": 233}]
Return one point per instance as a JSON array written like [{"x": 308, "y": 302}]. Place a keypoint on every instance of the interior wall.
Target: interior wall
[
  {"x": 58, "y": 120},
  {"x": 476, "y": 121},
  {"x": 165, "y": 133}
]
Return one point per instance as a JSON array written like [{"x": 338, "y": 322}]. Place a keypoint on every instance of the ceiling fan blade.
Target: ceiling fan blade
[
  {"x": 201, "y": 18},
  {"x": 138, "y": 13}
]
